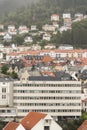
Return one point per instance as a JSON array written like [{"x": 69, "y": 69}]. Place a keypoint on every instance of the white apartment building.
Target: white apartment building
[
  {"x": 41, "y": 94},
  {"x": 57, "y": 98}
]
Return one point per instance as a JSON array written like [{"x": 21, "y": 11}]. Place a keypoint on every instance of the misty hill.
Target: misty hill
[{"x": 11, "y": 5}]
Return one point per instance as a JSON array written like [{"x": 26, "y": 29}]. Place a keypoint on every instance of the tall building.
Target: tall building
[{"x": 44, "y": 94}]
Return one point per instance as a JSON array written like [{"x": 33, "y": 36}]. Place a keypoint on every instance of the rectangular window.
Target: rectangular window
[
  {"x": 46, "y": 128},
  {"x": 3, "y": 96},
  {"x": 3, "y": 90}
]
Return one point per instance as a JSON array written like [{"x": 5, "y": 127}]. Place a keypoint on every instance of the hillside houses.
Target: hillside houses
[{"x": 34, "y": 31}]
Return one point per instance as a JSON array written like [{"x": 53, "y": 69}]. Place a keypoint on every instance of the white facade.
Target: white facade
[
  {"x": 66, "y": 15},
  {"x": 65, "y": 47},
  {"x": 6, "y": 93},
  {"x": 48, "y": 27},
  {"x": 23, "y": 29},
  {"x": 7, "y": 37},
  {"x": 54, "y": 17},
  {"x": 64, "y": 28},
  {"x": 33, "y": 27},
  {"x": 28, "y": 39},
  {"x": 46, "y": 37},
  {"x": 59, "y": 98},
  {"x": 6, "y": 100},
  {"x": 45, "y": 123}
]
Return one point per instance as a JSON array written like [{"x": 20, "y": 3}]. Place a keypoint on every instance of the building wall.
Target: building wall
[
  {"x": 59, "y": 98},
  {"x": 6, "y": 93},
  {"x": 52, "y": 125}
]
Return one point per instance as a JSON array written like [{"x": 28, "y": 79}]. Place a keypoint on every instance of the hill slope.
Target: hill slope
[{"x": 11, "y": 5}]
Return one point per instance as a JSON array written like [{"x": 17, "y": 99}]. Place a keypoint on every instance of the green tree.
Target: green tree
[{"x": 4, "y": 69}]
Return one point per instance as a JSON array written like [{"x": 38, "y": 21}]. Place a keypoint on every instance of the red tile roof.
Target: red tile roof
[
  {"x": 11, "y": 126},
  {"x": 47, "y": 59},
  {"x": 28, "y": 122},
  {"x": 83, "y": 126},
  {"x": 32, "y": 119}
]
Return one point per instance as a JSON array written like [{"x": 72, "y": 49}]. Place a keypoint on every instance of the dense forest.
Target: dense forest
[{"x": 39, "y": 13}]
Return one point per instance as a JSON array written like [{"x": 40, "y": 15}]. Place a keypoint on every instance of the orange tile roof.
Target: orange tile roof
[
  {"x": 11, "y": 126},
  {"x": 47, "y": 59},
  {"x": 83, "y": 126},
  {"x": 49, "y": 73},
  {"x": 32, "y": 119}
]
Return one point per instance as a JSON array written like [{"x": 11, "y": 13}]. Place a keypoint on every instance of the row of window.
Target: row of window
[
  {"x": 37, "y": 98},
  {"x": 7, "y": 111},
  {"x": 46, "y": 85},
  {"x": 47, "y": 104},
  {"x": 50, "y": 110},
  {"x": 47, "y": 91}
]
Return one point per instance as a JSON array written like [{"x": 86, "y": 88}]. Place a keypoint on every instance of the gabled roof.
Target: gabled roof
[
  {"x": 11, "y": 126},
  {"x": 32, "y": 119},
  {"x": 83, "y": 126}
]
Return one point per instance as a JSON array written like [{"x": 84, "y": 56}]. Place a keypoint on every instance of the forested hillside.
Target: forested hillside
[
  {"x": 39, "y": 13},
  {"x": 11, "y": 5}
]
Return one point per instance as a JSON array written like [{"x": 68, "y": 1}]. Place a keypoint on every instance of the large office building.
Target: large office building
[{"x": 59, "y": 98}]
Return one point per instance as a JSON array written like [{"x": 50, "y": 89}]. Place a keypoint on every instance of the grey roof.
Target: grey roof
[
  {"x": 42, "y": 78},
  {"x": 59, "y": 76},
  {"x": 6, "y": 79}
]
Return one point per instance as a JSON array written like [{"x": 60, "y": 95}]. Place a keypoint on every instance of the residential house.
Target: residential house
[
  {"x": 79, "y": 15},
  {"x": 34, "y": 121},
  {"x": 23, "y": 29},
  {"x": 49, "y": 28},
  {"x": 47, "y": 37},
  {"x": 7, "y": 37},
  {"x": 36, "y": 47},
  {"x": 33, "y": 27},
  {"x": 64, "y": 28},
  {"x": 11, "y": 27},
  {"x": 28, "y": 39},
  {"x": 65, "y": 47},
  {"x": 49, "y": 46},
  {"x": 67, "y": 19},
  {"x": 55, "y": 17}
]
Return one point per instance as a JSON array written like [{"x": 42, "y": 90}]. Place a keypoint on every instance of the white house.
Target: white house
[
  {"x": 49, "y": 46},
  {"x": 23, "y": 29},
  {"x": 11, "y": 27},
  {"x": 12, "y": 30},
  {"x": 47, "y": 27},
  {"x": 7, "y": 37},
  {"x": 79, "y": 15},
  {"x": 65, "y": 47},
  {"x": 64, "y": 28},
  {"x": 66, "y": 15},
  {"x": 46, "y": 36},
  {"x": 54, "y": 17},
  {"x": 28, "y": 39},
  {"x": 34, "y": 121},
  {"x": 33, "y": 27}
]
